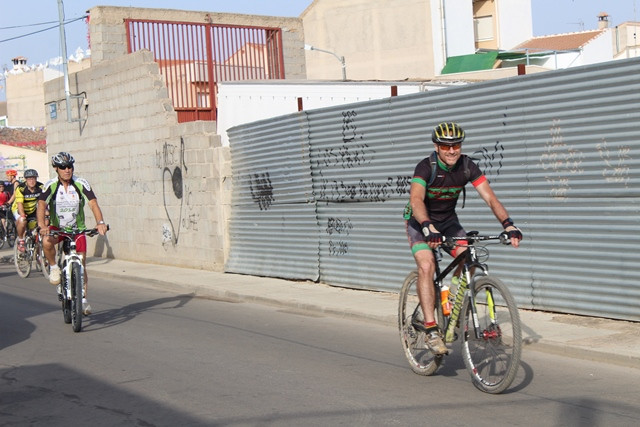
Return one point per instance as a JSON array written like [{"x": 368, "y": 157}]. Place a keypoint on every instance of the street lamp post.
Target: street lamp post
[{"x": 340, "y": 58}]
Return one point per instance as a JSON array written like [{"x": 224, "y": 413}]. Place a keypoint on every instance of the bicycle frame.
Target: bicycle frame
[
  {"x": 67, "y": 261},
  {"x": 469, "y": 260}
]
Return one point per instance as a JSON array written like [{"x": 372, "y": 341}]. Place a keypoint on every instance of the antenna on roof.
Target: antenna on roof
[{"x": 579, "y": 23}]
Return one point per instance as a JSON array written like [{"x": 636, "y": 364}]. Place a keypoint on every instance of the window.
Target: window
[{"x": 483, "y": 28}]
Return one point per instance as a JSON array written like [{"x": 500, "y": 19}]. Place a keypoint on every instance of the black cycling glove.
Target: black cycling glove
[
  {"x": 514, "y": 233},
  {"x": 432, "y": 237}
]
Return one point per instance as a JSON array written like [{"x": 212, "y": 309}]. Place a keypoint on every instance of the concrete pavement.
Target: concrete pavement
[{"x": 604, "y": 340}]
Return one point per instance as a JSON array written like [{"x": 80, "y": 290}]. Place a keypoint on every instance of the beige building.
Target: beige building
[
  {"x": 25, "y": 96},
  {"x": 398, "y": 40}
]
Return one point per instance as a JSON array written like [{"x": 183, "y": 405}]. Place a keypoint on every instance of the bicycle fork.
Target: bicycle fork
[{"x": 68, "y": 271}]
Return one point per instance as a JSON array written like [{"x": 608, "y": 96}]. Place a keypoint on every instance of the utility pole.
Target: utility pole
[{"x": 65, "y": 65}]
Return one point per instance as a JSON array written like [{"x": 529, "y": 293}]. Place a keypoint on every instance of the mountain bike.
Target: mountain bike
[
  {"x": 483, "y": 312},
  {"x": 32, "y": 251},
  {"x": 72, "y": 278},
  {"x": 8, "y": 231}
]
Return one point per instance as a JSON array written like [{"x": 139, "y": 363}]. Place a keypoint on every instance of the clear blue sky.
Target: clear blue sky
[{"x": 18, "y": 19}]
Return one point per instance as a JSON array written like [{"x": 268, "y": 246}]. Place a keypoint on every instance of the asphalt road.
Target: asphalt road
[{"x": 149, "y": 357}]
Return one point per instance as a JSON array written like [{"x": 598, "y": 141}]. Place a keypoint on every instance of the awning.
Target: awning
[{"x": 473, "y": 62}]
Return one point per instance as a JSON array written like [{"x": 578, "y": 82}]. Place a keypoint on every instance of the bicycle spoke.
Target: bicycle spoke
[
  {"x": 421, "y": 360},
  {"x": 492, "y": 352}
]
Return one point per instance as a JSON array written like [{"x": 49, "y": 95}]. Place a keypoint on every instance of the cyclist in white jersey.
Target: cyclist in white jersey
[{"x": 64, "y": 197}]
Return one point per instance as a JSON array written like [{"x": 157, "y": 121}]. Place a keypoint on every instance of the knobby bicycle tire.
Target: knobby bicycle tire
[
  {"x": 493, "y": 359},
  {"x": 66, "y": 303},
  {"x": 421, "y": 360},
  {"x": 76, "y": 297},
  {"x": 23, "y": 260}
]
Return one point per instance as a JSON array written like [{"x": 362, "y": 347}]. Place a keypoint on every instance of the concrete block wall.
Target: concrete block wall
[
  {"x": 161, "y": 185},
  {"x": 109, "y": 39}
]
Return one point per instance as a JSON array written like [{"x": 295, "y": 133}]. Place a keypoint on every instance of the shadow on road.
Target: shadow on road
[
  {"x": 116, "y": 316},
  {"x": 54, "y": 394}
]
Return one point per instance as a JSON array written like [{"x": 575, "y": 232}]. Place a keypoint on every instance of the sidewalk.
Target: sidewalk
[{"x": 604, "y": 340}]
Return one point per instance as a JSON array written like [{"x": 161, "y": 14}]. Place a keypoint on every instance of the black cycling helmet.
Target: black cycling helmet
[
  {"x": 62, "y": 159},
  {"x": 31, "y": 173},
  {"x": 447, "y": 133}
]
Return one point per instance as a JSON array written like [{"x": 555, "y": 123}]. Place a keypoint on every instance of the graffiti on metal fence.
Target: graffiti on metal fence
[
  {"x": 338, "y": 228},
  {"x": 489, "y": 161},
  {"x": 616, "y": 168},
  {"x": 345, "y": 156},
  {"x": 561, "y": 161},
  {"x": 261, "y": 190},
  {"x": 351, "y": 153},
  {"x": 338, "y": 190}
]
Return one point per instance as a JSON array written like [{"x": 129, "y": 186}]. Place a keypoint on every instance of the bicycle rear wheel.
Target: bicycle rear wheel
[
  {"x": 492, "y": 359},
  {"x": 76, "y": 297},
  {"x": 22, "y": 260},
  {"x": 421, "y": 360}
]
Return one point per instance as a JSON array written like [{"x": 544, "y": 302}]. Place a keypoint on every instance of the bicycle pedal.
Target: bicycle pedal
[{"x": 60, "y": 298}]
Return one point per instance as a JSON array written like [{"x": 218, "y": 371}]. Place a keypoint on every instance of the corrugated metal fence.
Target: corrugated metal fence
[{"x": 319, "y": 194}]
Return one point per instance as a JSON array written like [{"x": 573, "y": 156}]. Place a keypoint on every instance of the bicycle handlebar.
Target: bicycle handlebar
[
  {"x": 474, "y": 237},
  {"x": 73, "y": 233}
]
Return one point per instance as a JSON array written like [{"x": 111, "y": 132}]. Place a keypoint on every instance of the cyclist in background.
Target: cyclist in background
[
  {"x": 4, "y": 199},
  {"x": 11, "y": 183},
  {"x": 25, "y": 204},
  {"x": 65, "y": 197},
  {"x": 431, "y": 214}
]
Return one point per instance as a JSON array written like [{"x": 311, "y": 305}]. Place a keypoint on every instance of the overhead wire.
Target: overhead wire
[{"x": 39, "y": 31}]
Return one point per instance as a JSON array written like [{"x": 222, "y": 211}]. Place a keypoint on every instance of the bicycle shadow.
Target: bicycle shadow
[{"x": 116, "y": 316}]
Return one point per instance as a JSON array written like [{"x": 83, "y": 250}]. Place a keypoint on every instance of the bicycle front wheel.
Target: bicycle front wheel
[
  {"x": 11, "y": 233},
  {"x": 421, "y": 360},
  {"x": 22, "y": 260},
  {"x": 491, "y": 352},
  {"x": 41, "y": 260},
  {"x": 3, "y": 236},
  {"x": 76, "y": 297}
]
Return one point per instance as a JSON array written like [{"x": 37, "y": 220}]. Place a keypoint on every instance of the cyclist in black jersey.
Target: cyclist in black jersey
[{"x": 431, "y": 214}]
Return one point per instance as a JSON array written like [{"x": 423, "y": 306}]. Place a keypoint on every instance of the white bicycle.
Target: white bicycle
[{"x": 72, "y": 279}]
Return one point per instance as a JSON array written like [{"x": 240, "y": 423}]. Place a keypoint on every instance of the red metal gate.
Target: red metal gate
[{"x": 194, "y": 57}]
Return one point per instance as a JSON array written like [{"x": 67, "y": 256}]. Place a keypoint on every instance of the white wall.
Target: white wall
[
  {"x": 598, "y": 49},
  {"x": 515, "y": 23},
  {"x": 460, "y": 37},
  {"x": 245, "y": 102}
]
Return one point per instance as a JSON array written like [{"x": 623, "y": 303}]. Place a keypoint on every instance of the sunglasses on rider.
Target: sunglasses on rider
[
  {"x": 446, "y": 147},
  {"x": 65, "y": 167}
]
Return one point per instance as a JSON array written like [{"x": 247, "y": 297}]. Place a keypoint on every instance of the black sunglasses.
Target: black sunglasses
[{"x": 65, "y": 167}]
